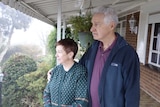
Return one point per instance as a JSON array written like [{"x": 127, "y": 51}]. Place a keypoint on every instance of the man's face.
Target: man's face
[{"x": 100, "y": 30}]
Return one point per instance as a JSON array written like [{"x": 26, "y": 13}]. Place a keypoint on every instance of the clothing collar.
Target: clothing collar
[{"x": 110, "y": 47}]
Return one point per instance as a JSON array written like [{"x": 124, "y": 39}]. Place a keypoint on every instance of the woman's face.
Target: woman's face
[{"x": 62, "y": 56}]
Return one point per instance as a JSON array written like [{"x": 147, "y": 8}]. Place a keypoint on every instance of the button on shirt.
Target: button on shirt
[{"x": 100, "y": 60}]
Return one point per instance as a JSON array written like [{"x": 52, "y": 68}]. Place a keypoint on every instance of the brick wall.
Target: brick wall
[
  {"x": 150, "y": 77},
  {"x": 150, "y": 82},
  {"x": 131, "y": 37}
]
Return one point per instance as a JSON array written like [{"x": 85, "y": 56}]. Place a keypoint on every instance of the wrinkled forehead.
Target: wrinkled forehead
[{"x": 98, "y": 17}]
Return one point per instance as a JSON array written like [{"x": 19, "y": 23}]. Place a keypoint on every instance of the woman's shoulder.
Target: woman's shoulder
[{"x": 57, "y": 68}]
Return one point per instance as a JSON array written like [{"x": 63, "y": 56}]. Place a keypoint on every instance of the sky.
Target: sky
[{"x": 33, "y": 34}]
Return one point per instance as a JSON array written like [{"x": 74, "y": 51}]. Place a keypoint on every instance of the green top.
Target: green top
[{"x": 67, "y": 88}]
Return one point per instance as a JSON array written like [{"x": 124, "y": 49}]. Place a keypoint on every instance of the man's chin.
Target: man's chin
[{"x": 95, "y": 38}]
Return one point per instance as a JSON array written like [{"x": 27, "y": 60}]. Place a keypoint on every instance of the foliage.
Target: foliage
[
  {"x": 81, "y": 29},
  {"x": 26, "y": 89},
  {"x": 14, "y": 68},
  {"x": 51, "y": 46},
  {"x": 68, "y": 33},
  {"x": 34, "y": 84},
  {"x": 10, "y": 19},
  {"x": 80, "y": 23},
  {"x": 32, "y": 50}
]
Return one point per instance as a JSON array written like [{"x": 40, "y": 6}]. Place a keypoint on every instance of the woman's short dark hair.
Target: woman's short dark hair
[{"x": 69, "y": 45}]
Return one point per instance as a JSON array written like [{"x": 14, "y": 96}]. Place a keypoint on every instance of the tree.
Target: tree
[
  {"x": 10, "y": 19},
  {"x": 34, "y": 83},
  {"x": 16, "y": 67},
  {"x": 25, "y": 89},
  {"x": 32, "y": 50},
  {"x": 51, "y": 46}
]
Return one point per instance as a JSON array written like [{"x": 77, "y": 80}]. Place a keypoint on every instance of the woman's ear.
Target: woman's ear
[{"x": 71, "y": 54}]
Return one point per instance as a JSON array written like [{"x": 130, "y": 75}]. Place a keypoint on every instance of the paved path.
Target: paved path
[{"x": 147, "y": 101}]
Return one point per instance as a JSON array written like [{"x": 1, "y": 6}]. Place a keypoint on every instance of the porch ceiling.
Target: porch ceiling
[{"x": 46, "y": 10}]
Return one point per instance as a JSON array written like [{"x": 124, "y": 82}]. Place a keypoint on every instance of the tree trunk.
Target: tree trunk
[{"x": 5, "y": 43}]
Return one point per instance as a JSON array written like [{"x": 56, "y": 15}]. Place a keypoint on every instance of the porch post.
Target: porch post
[
  {"x": 64, "y": 27},
  {"x": 59, "y": 20}
]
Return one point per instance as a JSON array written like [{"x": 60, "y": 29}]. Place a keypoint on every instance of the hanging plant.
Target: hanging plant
[
  {"x": 80, "y": 26},
  {"x": 80, "y": 23}
]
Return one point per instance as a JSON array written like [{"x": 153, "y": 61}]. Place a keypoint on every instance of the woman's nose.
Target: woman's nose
[{"x": 56, "y": 55}]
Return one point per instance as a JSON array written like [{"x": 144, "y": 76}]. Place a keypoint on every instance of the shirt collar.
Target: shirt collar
[{"x": 110, "y": 47}]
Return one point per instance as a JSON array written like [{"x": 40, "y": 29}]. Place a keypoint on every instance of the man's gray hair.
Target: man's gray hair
[{"x": 110, "y": 14}]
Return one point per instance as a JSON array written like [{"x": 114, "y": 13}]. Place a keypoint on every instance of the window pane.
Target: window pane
[
  {"x": 159, "y": 60},
  {"x": 118, "y": 25},
  {"x": 154, "y": 58},
  {"x": 124, "y": 24},
  {"x": 157, "y": 29},
  {"x": 154, "y": 44}
]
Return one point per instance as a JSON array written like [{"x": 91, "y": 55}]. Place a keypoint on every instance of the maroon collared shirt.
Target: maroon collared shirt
[{"x": 100, "y": 60}]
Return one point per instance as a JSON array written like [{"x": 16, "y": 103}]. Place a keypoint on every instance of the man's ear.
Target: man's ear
[{"x": 112, "y": 25}]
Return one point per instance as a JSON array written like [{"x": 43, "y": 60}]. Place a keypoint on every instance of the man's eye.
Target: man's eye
[{"x": 97, "y": 24}]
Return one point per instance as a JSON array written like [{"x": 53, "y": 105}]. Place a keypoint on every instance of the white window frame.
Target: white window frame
[
  {"x": 121, "y": 28},
  {"x": 151, "y": 50}
]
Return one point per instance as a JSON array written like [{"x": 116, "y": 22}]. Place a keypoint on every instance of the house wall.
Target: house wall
[
  {"x": 132, "y": 37},
  {"x": 145, "y": 10},
  {"x": 150, "y": 81},
  {"x": 149, "y": 77}
]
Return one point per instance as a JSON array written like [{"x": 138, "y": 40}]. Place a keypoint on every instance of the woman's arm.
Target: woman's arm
[
  {"x": 46, "y": 93},
  {"x": 47, "y": 97},
  {"x": 81, "y": 96}
]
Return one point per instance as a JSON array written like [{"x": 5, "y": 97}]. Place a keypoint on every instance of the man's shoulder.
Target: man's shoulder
[{"x": 80, "y": 66}]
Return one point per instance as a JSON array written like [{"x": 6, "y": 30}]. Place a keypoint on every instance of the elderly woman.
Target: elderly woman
[{"x": 67, "y": 86}]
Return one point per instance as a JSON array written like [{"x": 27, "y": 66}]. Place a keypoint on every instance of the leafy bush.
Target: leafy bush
[
  {"x": 17, "y": 66},
  {"x": 34, "y": 84}
]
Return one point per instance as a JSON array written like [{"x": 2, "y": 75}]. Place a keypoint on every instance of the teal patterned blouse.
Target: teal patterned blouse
[{"x": 67, "y": 89}]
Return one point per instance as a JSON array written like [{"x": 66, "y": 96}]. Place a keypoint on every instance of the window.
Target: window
[
  {"x": 154, "y": 52},
  {"x": 121, "y": 27}
]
